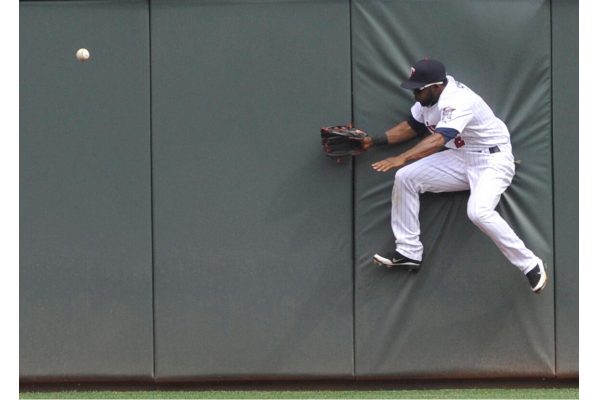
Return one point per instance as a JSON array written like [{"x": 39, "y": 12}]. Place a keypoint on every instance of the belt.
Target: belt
[{"x": 494, "y": 149}]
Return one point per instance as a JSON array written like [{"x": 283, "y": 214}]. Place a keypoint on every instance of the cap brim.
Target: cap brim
[{"x": 412, "y": 85}]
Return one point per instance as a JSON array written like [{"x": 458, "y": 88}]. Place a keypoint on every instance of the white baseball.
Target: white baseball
[{"x": 82, "y": 55}]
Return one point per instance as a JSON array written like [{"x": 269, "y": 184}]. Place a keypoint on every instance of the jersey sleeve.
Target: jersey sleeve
[
  {"x": 455, "y": 117},
  {"x": 417, "y": 112},
  {"x": 447, "y": 133}
]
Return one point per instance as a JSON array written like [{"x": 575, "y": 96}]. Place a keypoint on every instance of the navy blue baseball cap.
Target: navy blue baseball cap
[{"x": 425, "y": 72}]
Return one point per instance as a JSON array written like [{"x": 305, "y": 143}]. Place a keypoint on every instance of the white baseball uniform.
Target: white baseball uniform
[{"x": 478, "y": 158}]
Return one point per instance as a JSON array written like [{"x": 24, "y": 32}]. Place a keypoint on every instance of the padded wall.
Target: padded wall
[
  {"x": 183, "y": 224},
  {"x": 565, "y": 102},
  {"x": 253, "y": 263},
  {"x": 85, "y": 275},
  {"x": 468, "y": 312}
]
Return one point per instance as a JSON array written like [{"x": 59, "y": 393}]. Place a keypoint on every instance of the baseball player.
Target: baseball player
[{"x": 477, "y": 157}]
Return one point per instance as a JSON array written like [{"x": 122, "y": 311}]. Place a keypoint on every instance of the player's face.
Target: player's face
[{"x": 427, "y": 97}]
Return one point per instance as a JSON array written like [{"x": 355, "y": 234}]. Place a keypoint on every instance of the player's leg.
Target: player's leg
[
  {"x": 489, "y": 176},
  {"x": 440, "y": 172}
]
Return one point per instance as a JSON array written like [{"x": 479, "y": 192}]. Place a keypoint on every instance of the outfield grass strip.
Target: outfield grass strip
[{"x": 520, "y": 393}]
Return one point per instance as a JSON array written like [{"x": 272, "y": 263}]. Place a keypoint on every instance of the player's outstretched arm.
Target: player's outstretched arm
[
  {"x": 400, "y": 133},
  {"x": 431, "y": 144},
  {"x": 397, "y": 134}
]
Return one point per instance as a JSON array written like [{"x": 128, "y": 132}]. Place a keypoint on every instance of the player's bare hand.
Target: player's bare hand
[{"x": 388, "y": 163}]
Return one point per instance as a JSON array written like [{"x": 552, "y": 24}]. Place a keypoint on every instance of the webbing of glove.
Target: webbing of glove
[{"x": 342, "y": 140}]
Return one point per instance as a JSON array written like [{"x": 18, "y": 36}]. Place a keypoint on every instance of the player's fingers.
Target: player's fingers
[{"x": 381, "y": 166}]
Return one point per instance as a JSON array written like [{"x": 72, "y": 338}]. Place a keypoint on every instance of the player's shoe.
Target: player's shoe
[
  {"x": 395, "y": 259},
  {"x": 537, "y": 277}
]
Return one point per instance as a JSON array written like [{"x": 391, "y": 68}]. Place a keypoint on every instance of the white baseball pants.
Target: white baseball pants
[{"x": 486, "y": 175}]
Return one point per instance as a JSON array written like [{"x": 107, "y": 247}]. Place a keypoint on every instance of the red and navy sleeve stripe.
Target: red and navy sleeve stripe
[{"x": 447, "y": 133}]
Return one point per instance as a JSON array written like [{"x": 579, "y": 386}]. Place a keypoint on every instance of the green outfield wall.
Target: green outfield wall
[{"x": 179, "y": 221}]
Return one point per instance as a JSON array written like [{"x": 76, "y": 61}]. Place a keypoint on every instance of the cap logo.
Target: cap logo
[{"x": 412, "y": 71}]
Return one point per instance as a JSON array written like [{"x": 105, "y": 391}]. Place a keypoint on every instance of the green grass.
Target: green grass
[{"x": 546, "y": 393}]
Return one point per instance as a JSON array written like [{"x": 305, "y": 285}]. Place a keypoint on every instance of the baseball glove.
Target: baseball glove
[{"x": 342, "y": 140}]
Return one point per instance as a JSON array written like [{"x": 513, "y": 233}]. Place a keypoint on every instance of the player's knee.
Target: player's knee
[
  {"x": 479, "y": 215},
  {"x": 403, "y": 178}
]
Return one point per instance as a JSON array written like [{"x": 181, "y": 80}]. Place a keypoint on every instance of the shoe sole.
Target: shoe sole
[
  {"x": 545, "y": 275},
  {"x": 410, "y": 267}
]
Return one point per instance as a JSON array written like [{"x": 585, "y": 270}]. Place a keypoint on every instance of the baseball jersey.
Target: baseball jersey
[{"x": 463, "y": 112}]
